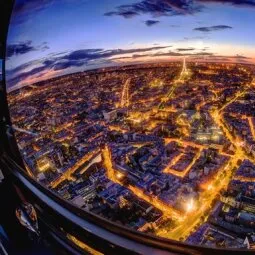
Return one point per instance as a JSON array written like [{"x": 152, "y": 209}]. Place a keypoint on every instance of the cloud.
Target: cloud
[
  {"x": 69, "y": 62},
  {"x": 26, "y": 74},
  {"x": 151, "y": 22},
  {"x": 195, "y": 38},
  {"x": 205, "y": 48},
  {"x": 156, "y": 8},
  {"x": 23, "y": 6},
  {"x": 222, "y": 58},
  {"x": 25, "y": 10},
  {"x": 212, "y": 28},
  {"x": 93, "y": 54},
  {"x": 61, "y": 65},
  {"x": 66, "y": 60},
  {"x": 125, "y": 14},
  {"x": 202, "y": 54},
  {"x": 238, "y": 3},
  {"x": 239, "y": 57},
  {"x": 179, "y": 54},
  {"x": 166, "y": 54},
  {"x": 21, "y": 48},
  {"x": 185, "y": 49},
  {"x": 194, "y": 55}
]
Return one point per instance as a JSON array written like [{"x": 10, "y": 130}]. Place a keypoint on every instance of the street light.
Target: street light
[
  {"x": 210, "y": 186},
  {"x": 190, "y": 206},
  {"x": 119, "y": 175}
]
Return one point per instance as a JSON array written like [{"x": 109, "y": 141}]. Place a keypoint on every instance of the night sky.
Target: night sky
[{"x": 49, "y": 38}]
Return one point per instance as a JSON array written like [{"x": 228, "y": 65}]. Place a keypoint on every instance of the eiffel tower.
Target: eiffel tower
[
  {"x": 184, "y": 72},
  {"x": 124, "y": 102}
]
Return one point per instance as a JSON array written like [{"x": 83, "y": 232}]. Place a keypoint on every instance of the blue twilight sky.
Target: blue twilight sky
[{"x": 48, "y": 38}]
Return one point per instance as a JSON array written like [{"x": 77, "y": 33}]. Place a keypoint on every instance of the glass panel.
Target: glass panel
[{"x": 140, "y": 111}]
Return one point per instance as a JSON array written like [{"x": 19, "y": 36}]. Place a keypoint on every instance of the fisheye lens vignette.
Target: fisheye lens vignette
[{"x": 142, "y": 112}]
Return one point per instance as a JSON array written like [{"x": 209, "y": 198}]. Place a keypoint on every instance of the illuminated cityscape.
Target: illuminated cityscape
[
  {"x": 169, "y": 152},
  {"x": 151, "y": 133}
]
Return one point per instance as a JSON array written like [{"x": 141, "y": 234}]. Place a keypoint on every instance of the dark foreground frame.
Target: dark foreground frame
[{"x": 60, "y": 219}]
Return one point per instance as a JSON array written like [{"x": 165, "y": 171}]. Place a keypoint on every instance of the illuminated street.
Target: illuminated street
[{"x": 163, "y": 149}]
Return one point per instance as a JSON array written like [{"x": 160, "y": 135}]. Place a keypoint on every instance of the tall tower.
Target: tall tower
[
  {"x": 124, "y": 102},
  {"x": 184, "y": 65},
  {"x": 184, "y": 72}
]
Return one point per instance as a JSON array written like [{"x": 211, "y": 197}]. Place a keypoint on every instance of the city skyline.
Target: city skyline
[
  {"x": 52, "y": 38},
  {"x": 162, "y": 148},
  {"x": 149, "y": 121}
]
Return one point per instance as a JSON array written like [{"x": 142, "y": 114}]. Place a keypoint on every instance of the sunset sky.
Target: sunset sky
[{"x": 48, "y": 38}]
